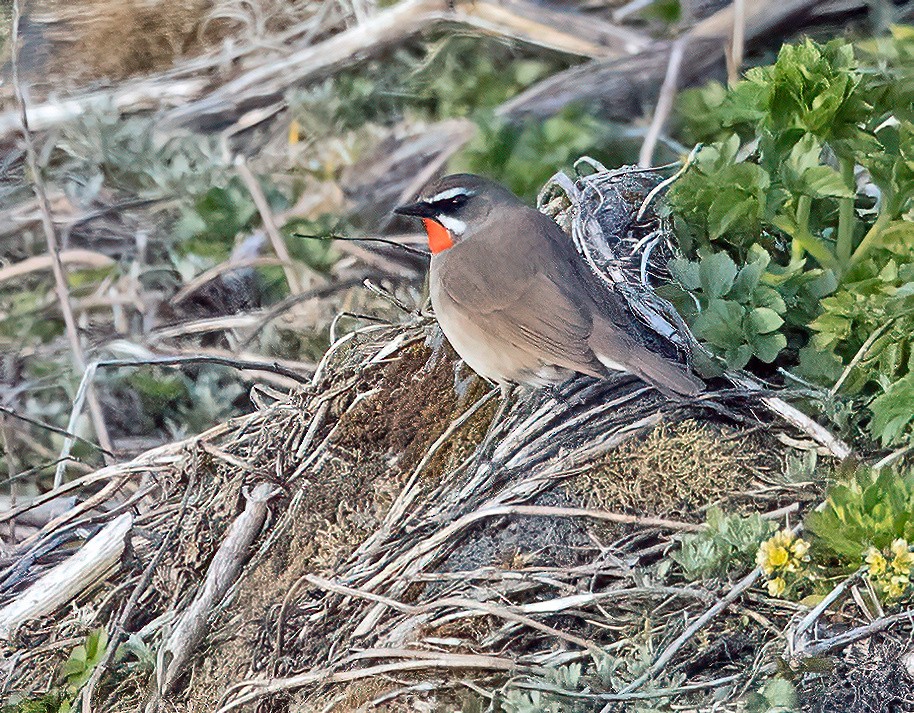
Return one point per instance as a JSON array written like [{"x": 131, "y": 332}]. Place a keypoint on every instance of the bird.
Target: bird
[{"x": 518, "y": 303}]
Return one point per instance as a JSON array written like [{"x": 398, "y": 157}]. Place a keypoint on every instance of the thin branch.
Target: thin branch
[
  {"x": 240, "y": 364},
  {"x": 664, "y": 102},
  {"x": 350, "y": 239},
  {"x": 820, "y": 608},
  {"x": 11, "y": 471},
  {"x": 269, "y": 225},
  {"x": 119, "y": 633},
  {"x": 860, "y": 355},
  {"x": 833, "y": 643},
  {"x": 621, "y": 518},
  {"x": 53, "y": 429},
  {"x": 670, "y": 651},
  {"x": 38, "y": 263},
  {"x": 737, "y": 42},
  {"x": 259, "y": 689},
  {"x": 60, "y": 281}
]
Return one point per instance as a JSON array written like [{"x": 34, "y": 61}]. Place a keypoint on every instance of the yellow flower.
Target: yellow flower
[
  {"x": 782, "y": 551},
  {"x": 800, "y": 549},
  {"x": 897, "y": 586},
  {"x": 876, "y": 562},
  {"x": 902, "y": 559},
  {"x": 778, "y": 556},
  {"x": 776, "y": 586}
]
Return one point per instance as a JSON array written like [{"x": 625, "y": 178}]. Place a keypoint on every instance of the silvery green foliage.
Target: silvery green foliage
[{"x": 135, "y": 156}]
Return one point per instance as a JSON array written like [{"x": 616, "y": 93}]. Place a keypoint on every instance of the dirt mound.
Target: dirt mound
[{"x": 418, "y": 523}]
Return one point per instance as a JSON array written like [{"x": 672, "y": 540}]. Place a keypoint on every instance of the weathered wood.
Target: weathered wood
[
  {"x": 198, "y": 100},
  {"x": 222, "y": 573},
  {"x": 622, "y": 88},
  {"x": 92, "y": 563}
]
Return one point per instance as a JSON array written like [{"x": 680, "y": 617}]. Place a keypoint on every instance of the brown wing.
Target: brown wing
[{"x": 517, "y": 301}]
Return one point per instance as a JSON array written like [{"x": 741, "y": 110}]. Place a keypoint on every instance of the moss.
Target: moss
[{"x": 678, "y": 468}]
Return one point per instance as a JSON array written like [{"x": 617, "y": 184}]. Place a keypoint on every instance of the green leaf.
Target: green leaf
[
  {"x": 717, "y": 273},
  {"x": 686, "y": 273},
  {"x": 823, "y": 181},
  {"x": 720, "y": 324},
  {"x": 767, "y": 347},
  {"x": 893, "y": 412},
  {"x": 780, "y": 694},
  {"x": 764, "y": 319}
]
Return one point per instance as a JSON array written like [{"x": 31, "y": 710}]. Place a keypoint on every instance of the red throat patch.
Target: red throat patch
[{"x": 439, "y": 239}]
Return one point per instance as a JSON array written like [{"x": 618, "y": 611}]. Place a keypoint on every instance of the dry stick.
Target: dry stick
[
  {"x": 222, "y": 573},
  {"x": 240, "y": 364},
  {"x": 119, "y": 633},
  {"x": 11, "y": 471},
  {"x": 664, "y": 102},
  {"x": 893, "y": 456},
  {"x": 818, "y": 433},
  {"x": 455, "y": 602},
  {"x": 619, "y": 84},
  {"x": 289, "y": 302},
  {"x": 507, "y": 614},
  {"x": 159, "y": 457},
  {"x": 619, "y": 697},
  {"x": 85, "y": 384},
  {"x": 738, "y": 42},
  {"x": 415, "y": 554},
  {"x": 274, "y": 76},
  {"x": 670, "y": 651},
  {"x": 85, "y": 506},
  {"x": 48, "y": 427},
  {"x": 861, "y": 353},
  {"x": 87, "y": 566},
  {"x": 60, "y": 282},
  {"x": 269, "y": 224},
  {"x": 390, "y": 26},
  {"x": 39, "y": 263},
  {"x": 439, "y": 661},
  {"x": 849, "y": 637},
  {"x": 408, "y": 492},
  {"x": 550, "y": 511},
  {"x": 817, "y": 611}
]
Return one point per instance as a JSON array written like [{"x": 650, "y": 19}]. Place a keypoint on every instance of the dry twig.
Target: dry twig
[{"x": 47, "y": 222}]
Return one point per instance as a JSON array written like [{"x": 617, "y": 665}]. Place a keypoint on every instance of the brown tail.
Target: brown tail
[{"x": 613, "y": 347}]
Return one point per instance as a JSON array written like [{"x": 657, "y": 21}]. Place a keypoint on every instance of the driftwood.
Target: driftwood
[
  {"x": 186, "y": 100},
  {"x": 223, "y": 572},
  {"x": 94, "y": 561},
  {"x": 622, "y": 88}
]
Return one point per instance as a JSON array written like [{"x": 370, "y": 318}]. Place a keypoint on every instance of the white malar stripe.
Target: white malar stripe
[
  {"x": 456, "y": 227},
  {"x": 450, "y": 193}
]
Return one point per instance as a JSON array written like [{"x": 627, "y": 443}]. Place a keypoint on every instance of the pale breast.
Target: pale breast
[{"x": 484, "y": 352}]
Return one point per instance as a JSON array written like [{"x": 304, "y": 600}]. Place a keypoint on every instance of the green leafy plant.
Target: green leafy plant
[
  {"x": 870, "y": 508},
  {"x": 810, "y": 163},
  {"x": 525, "y": 155},
  {"x": 778, "y": 695},
  {"x": 730, "y": 307},
  {"x": 78, "y": 668},
  {"x": 730, "y": 541},
  {"x": 74, "y": 674}
]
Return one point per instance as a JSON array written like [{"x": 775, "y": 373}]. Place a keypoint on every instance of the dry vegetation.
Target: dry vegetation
[{"x": 299, "y": 499}]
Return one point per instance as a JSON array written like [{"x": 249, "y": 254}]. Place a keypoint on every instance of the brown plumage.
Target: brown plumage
[{"x": 517, "y": 302}]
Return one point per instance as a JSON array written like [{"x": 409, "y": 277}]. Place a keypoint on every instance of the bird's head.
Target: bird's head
[{"x": 452, "y": 207}]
